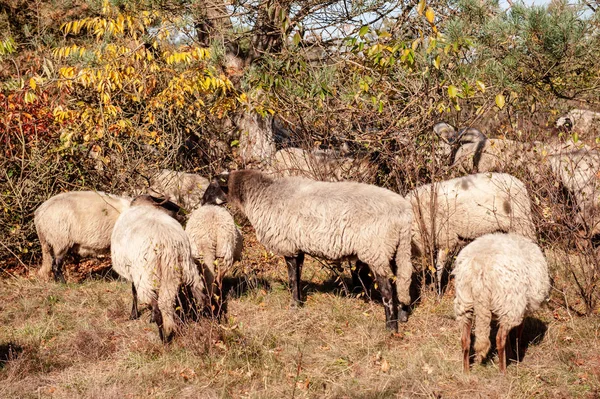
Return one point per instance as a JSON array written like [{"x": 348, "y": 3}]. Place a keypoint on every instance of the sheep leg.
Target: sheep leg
[
  {"x": 500, "y": 345},
  {"x": 294, "y": 264},
  {"x": 157, "y": 318},
  {"x": 389, "y": 304},
  {"x": 167, "y": 296},
  {"x": 466, "y": 344},
  {"x": 135, "y": 314},
  {"x": 360, "y": 277},
  {"x": 47, "y": 260},
  {"x": 57, "y": 269}
]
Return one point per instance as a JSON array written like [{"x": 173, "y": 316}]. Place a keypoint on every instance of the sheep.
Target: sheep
[
  {"x": 466, "y": 208},
  {"x": 578, "y": 172},
  {"x": 294, "y": 216},
  {"x": 320, "y": 165},
  {"x": 151, "y": 249},
  {"x": 471, "y": 151},
  {"x": 214, "y": 237},
  {"x": 185, "y": 189},
  {"x": 497, "y": 275},
  {"x": 579, "y": 119},
  {"x": 79, "y": 222}
]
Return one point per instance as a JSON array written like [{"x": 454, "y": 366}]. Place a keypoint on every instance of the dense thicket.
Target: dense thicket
[{"x": 97, "y": 94}]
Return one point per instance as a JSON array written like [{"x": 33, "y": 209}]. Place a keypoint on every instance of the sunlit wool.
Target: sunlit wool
[{"x": 78, "y": 221}]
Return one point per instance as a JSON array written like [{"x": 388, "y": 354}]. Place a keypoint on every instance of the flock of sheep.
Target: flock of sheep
[{"x": 502, "y": 273}]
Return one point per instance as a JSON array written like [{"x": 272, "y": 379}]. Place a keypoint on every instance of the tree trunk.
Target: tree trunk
[{"x": 257, "y": 144}]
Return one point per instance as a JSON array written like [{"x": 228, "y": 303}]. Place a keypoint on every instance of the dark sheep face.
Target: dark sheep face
[
  {"x": 445, "y": 131},
  {"x": 216, "y": 193},
  {"x": 171, "y": 208}
]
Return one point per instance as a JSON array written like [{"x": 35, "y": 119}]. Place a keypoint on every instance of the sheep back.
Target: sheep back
[
  {"x": 469, "y": 207},
  {"x": 504, "y": 275},
  {"x": 214, "y": 235},
  {"x": 327, "y": 220},
  {"x": 81, "y": 221},
  {"x": 151, "y": 249}
]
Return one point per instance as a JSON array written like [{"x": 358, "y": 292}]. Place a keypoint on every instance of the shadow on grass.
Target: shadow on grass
[
  {"x": 534, "y": 331},
  {"x": 9, "y": 351}
]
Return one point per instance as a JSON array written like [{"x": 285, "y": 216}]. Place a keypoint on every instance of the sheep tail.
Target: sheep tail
[
  {"x": 167, "y": 295},
  {"x": 483, "y": 318}
]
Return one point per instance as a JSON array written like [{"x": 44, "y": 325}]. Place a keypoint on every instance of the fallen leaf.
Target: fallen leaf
[{"x": 385, "y": 366}]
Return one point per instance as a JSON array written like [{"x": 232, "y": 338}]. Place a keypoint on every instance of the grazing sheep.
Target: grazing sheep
[
  {"x": 79, "y": 222},
  {"x": 471, "y": 151},
  {"x": 151, "y": 249},
  {"x": 578, "y": 172},
  {"x": 466, "y": 208},
  {"x": 497, "y": 275},
  {"x": 582, "y": 120},
  {"x": 320, "y": 165},
  {"x": 214, "y": 237},
  {"x": 185, "y": 189},
  {"x": 294, "y": 216}
]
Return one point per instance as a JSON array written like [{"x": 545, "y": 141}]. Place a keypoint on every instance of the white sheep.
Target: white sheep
[
  {"x": 465, "y": 208},
  {"x": 216, "y": 240},
  {"x": 294, "y": 216},
  {"x": 578, "y": 172},
  {"x": 185, "y": 189},
  {"x": 78, "y": 222},
  {"x": 151, "y": 249},
  {"x": 498, "y": 275}
]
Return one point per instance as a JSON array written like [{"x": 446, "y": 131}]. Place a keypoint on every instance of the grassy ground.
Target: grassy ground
[{"x": 75, "y": 340}]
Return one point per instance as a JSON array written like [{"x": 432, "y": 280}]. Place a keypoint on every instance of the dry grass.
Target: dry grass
[{"x": 75, "y": 340}]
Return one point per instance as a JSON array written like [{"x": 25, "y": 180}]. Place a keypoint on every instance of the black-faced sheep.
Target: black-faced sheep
[
  {"x": 216, "y": 242},
  {"x": 151, "y": 249},
  {"x": 295, "y": 216},
  {"x": 581, "y": 120},
  {"x": 465, "y": 208},
  {"x": 471, "y": 151},
  {"x": 498, "y": 275},
  {"x": 79, "y": 222},
  {"x": 184, "y": 189}
]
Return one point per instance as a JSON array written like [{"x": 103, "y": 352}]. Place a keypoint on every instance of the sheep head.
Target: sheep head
[
  {"x": 170, "y": 208},
  {"x": 217, "y": 190}
]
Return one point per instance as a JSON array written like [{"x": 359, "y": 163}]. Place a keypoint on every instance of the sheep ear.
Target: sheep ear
[{"x": 445, "y": 131}]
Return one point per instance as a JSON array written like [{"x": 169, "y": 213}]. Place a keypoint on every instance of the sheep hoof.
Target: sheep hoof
[
  {"x": 295, "y": 304},
  {"x": 403, "y": 316},
  {"x": 392, "y": 325}
]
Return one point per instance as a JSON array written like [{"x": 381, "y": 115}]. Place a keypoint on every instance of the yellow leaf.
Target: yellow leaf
[
  {"x": 436, "y": 62},
  {"x": 32, "y": 83},
  {"x": 452, "y": 91},
  {"x": 415, "y": 44},
  {"x": 500, "y": 101},
  {"x": 430, "y": 15},
  {"x": 480, "y": 85},
  {"x": 421, "y": 7}
]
